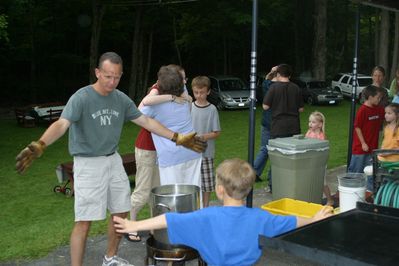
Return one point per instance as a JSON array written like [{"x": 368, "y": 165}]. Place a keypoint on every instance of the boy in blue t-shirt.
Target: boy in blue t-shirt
[{"x": 228, "y": 234}]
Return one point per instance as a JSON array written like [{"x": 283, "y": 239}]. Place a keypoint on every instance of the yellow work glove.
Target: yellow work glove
[
  {"x": 190, "y": 141},
  {"x": 26, "y": 156}
]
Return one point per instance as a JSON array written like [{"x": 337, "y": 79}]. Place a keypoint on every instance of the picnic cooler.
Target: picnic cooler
[{"x": 298, "y": 167}]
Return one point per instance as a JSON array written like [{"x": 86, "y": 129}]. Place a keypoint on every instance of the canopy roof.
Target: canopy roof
[{"x": 392, "y": 5}]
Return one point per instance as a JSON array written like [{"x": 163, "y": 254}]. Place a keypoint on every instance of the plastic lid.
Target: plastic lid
[{"x": 298, "y": 142}]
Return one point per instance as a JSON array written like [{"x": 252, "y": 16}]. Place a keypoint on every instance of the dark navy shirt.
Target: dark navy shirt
[{"x": 266, "y": 115}]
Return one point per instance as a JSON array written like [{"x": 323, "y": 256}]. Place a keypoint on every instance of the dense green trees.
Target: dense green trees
[{"x": 47, "y": 47}]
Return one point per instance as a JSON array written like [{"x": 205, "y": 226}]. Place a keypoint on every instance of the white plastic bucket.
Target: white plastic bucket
[
  {"x": 352, "y": 188},
  {"x": 348, "y": 196}
]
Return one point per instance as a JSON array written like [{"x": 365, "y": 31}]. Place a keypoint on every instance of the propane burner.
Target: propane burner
[{"x": 171, "y": 254}]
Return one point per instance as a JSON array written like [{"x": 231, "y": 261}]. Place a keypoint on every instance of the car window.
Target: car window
[
  {"x": 298, "y": 82},
  {"x": 317, "y": 85},
  {"x": 214, "y": 85},
  {"x": 364, "y": 81},
  {"x": 345, "y": 79},
  {"x": 337, "y": 77},
  {"x": 231, "y": 85}
]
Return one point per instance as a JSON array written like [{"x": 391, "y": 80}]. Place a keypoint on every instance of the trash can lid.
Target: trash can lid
[{"x": 298, "y": 142}]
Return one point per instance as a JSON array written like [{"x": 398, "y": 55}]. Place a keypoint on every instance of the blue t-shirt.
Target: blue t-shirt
[
  {"x": 226, "y": 235},
  {"x": 97, "y": 121}
]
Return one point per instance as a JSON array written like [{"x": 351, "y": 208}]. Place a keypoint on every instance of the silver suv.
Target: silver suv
[
  {"x": 343, "y": 82},
  {"x": 228, "y": 92}
]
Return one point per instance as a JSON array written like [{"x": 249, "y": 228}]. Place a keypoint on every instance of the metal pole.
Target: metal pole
[
  {"x": 354, "y": 87},
  {"x": 252, "y": 104}
]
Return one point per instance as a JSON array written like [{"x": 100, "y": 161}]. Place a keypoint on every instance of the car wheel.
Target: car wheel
[
  {"x": 57, "y": 189},
  {"x": 68, "y": 192},
  {"x": 220, "y": 106},
  {"x": 310, "y": 100}
]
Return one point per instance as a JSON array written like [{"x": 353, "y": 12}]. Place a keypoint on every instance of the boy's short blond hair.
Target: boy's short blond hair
[
  {"x": 236, "y": 176},
  {"x": 201, "y": 82}
]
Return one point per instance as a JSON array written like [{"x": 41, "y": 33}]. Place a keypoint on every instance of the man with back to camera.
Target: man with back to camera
[
  {"x": 286, "y": 102},
  {"x": 95, "y": 115}
]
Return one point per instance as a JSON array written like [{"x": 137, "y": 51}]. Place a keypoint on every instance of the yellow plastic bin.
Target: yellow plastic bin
[{"x": 288, "y": 206}]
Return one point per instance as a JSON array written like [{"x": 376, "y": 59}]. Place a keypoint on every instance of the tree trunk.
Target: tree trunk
[
  {"x": 395, "y": 53},
  {"x": 224, "y": 55},
  {"x": 343, "y": 49},
  {"x": 175, "y": 41},
  {"x": 371, "y": 40},
  {"x": 376, "y": 38},
  {"x": 149, "y": 56},
  {"x": 135, "y": 52},
  {"x": 140, "y": 86},
  {"x": 299, "y": 33},
  {"x": 384, "y": 40},
  {"x": 32, "y": 27},
  {"x": 98, "y": 14},
  {"x": 319, "y": 44}
]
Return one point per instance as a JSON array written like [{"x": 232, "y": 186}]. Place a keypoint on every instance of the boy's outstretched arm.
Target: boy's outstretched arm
[
  {"x": 325, "y": 212},
  {"x": 127, "y": 226}
]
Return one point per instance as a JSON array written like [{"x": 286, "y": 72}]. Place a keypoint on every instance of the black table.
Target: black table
[{"x": 367, "y": 235}]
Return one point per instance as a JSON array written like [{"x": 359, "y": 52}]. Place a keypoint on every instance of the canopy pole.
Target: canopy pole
[
  {"x": 252, "y": 104},
  {"x": 354, "y": 88}
]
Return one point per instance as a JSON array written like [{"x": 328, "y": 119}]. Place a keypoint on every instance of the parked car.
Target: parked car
[
  {"x": 228, "y": 92},
  {"x": 318, "y": 92},
  {"x": 343, "y": 82}
]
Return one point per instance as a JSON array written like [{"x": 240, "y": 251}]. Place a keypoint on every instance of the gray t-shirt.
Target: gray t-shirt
[
  {"x": 97, "y": 121},
  {"x": 205, "y": 120}
]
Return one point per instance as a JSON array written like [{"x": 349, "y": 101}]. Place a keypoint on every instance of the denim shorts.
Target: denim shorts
[{"x": 358, "y": 162}]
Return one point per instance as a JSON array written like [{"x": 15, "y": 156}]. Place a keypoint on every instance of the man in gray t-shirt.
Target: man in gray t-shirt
[{"x": 95, "y": 115}]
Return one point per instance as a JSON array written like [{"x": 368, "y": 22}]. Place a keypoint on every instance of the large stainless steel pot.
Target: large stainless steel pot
[{"x": 173, "y": 198}]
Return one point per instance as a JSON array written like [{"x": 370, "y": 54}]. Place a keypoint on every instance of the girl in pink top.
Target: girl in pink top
[
  {"x": 316, "y": 126},
  {"x": 316, "y": 131}
]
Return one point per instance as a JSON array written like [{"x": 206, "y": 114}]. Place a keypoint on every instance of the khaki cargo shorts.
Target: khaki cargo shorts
[{"x": 100, "y": 183}]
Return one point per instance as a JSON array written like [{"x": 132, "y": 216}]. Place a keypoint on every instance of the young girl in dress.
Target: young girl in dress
[
  {"x": 391, "y": 135},
  {"x": 316, "y": 131}
]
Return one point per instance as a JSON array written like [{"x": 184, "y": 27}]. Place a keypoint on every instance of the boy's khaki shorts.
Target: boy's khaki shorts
[{"x": 100, "y": 183}]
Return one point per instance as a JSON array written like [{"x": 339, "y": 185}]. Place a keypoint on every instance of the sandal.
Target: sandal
[{"x": 133, "y": 237}]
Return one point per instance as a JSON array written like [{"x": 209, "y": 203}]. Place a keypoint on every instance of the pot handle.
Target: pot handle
[
  {"x": 161, "y": 205},
  {"x": 169, "y": 259}
]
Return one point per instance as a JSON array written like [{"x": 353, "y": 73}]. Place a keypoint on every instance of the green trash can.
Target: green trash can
[{"x": 298, "y": 167}]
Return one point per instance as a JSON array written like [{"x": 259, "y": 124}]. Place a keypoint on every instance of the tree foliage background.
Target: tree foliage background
[{"x": 48, "y": 47}]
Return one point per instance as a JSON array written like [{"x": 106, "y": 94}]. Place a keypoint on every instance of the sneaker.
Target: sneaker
[
  {"x": 267, "y": 189},
  {"x": 115, "y": 261}
]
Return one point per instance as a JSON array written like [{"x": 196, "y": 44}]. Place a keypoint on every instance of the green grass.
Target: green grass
[{"x": 34, "y": 220}]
